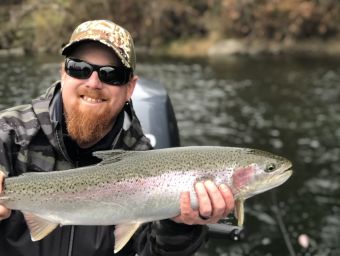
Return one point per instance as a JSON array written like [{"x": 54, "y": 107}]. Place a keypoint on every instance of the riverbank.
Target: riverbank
[
  {"x": 215, "y": 49},
  {"x": 180, "y": 28},
  {"x": 230, "y": 47}
]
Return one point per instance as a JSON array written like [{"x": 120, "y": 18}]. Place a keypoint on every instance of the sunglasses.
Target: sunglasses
[{"x": 112, "y": 75}]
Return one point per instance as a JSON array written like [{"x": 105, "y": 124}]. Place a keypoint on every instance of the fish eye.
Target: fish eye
[{"x": 270, "y": 167}]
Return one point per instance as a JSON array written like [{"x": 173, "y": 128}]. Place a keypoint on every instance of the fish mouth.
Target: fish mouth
[
  {"x": 281, "y": 176},
  {"x": 275, "y": 179},
  {"x": 286, "y": 174},
  {"x": 268, "y": 182},
  {"x": 285, "y": 169}
]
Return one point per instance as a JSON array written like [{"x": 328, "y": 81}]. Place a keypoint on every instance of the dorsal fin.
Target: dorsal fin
[{"x": 113, "y": 156}]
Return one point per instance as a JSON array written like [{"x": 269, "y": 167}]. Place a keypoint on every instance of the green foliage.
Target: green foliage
[{"x": 278, "y": 20}]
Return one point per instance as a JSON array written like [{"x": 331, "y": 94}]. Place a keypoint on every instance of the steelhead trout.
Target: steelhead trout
[{"x": 128, "y": 188}]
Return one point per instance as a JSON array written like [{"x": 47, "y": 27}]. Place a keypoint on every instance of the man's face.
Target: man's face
[{"x": 90, "y": 105}]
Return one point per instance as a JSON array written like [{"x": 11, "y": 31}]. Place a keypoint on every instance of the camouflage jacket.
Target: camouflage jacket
[{"x": 31, "y": 140}]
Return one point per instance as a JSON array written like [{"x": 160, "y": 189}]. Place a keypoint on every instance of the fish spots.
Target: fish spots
[{"x": 152, "y": 181}]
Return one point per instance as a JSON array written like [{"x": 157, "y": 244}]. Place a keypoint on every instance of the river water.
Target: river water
[{"x": 286, "y": 105}]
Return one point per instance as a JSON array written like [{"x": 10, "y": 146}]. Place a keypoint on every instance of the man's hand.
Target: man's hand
[
  {"x": 4, "y": 212},
  {"x": 214, "y": 203}
]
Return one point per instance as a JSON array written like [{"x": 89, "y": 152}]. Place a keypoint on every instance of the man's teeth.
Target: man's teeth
[{"x": 88, "y": 99}]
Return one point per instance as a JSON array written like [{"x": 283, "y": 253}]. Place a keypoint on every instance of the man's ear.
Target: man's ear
[
  {"x": 131, "y": 86},
  {"x": 62, "y": 72},
  {"x": 62, "y": 77}
]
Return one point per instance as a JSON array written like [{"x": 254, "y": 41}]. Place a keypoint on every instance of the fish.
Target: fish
[{"x": 129, "y": 188}]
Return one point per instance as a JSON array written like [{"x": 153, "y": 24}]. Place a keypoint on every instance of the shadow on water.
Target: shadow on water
[{"x": 288, "y": 106}]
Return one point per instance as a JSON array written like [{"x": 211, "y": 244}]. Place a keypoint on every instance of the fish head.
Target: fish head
[{"x": 259, "y": 172}]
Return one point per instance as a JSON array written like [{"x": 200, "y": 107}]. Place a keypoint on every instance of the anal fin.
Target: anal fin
[
  {"x": 39, "y": 227},
  {"x": 123, "y": 233}
]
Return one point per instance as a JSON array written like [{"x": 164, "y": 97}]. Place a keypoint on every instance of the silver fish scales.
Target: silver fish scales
[{"x": 129, "y": 188}]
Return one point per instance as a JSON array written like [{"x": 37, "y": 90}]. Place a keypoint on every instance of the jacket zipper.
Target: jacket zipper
[
  {"x": 66, "y": 156},
  {"x": 70, "y": 247}
]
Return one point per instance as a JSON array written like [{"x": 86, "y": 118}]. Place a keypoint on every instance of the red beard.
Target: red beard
[{"x": 87, "y": 128}]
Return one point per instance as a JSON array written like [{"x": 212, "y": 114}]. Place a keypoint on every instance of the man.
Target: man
[{"x": 90, "y": 110}]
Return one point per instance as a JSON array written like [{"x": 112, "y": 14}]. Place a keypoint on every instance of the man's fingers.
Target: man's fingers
[
  {"x": 4, "y": 212},
  {"x": 205, "y": 207},
  {"x": 214, "y": 203},
  {"x": 185, "y": 204},
  {"x": 217, "y": 201},
  {"x": 186, "y": 210},
  {"x": 2, "y": 177},
  {"x": 228, "y": 198}
]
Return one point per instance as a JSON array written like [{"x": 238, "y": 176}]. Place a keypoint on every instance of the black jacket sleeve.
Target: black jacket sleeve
[
  {"x": 8, "y": 152},
  {"x": 167, "y": 238}
]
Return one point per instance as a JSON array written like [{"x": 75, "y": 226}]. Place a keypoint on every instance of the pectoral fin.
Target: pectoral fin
[
  {"x": 123, "y": 233},
  {"x": 39, "y": 227},
  {"x": 239, "y": 211}
]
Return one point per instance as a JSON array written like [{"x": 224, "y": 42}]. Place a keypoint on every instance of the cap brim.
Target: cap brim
[{"x": 68, "y": 48}]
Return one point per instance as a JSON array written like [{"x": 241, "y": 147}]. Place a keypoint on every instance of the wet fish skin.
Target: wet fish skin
[{"x": 129, "y": 188}]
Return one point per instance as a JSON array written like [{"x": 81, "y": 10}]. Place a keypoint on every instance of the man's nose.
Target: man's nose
[{"x": 94, "y": 82}]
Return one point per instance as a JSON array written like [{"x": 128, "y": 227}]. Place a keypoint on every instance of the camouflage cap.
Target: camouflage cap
[{"x": 107, "y": 33}]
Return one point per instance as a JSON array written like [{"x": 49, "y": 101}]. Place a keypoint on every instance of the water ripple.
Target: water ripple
[{"x": 289, "y": 106}]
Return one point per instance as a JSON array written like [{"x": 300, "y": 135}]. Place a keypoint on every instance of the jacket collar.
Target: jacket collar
[{"x": 48, "y": 108}]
